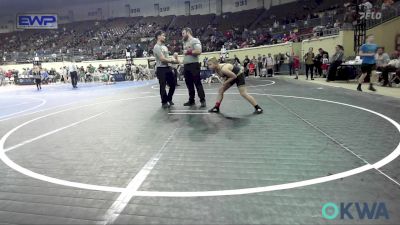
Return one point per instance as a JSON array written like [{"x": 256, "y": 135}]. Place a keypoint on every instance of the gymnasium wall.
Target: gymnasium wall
[
  {"x": 121, "y": 8},
  {"x": 348, "y": 43},
  {"x": 385, "y": 34},
  {"x": 326, "y": 43},
  {"x": 58, "y": 65},
  {"x": 241, "y": 53},
  {"x": 240, "y": 5}
]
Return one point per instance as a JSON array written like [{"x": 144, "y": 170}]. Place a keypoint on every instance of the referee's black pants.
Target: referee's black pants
[
  {"x": 74, "y": 78},
  {"x": 193, "y": 79},
  {"x": 166, "y": 76}
]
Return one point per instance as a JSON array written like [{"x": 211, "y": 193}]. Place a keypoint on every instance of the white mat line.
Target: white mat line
[
  {"x": 187, "y": 110},
  {"x": 50, "y": 133},
  {"x": 123, "y": 199},
  {"x": 189, "y": 113},
  {"x": 387, "y": 176}
]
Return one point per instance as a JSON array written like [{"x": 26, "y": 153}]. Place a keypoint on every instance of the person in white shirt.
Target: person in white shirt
[
  {"x": 366, "y": 6},
  {"x": 64, "y": 74},
  {"x": 336, "y": 24},
  {"x": 388, "y": 66},
  {"x": 270, "y": 65},
  {"x": 223, "y": 53},
  {"x": 73, "y": 72}
]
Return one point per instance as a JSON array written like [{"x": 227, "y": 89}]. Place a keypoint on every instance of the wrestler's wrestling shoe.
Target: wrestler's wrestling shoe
[
  {"x": 214, "y": 110},
  {"x": 258, "y": 110}
]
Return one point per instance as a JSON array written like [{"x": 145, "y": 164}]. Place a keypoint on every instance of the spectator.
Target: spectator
[
  {"x": 236, "y": 60},
  {"x": 336, "y": 24},
  {"x": 309, "y": 61},
  {"x": 280, "y": 60},
  {"x": 387, "y": 4},
  {"x": 64, "y": 74},
  {"x": 264, "y": 62},
  {"x": 246, "y": 62},
  {"x": 318, "y": 31},
  {"x": 382, "y": 59},
  {"x": 394, "y": 66},
  {"x": 223, "y": 54},
  {"x": 254, "y": 61},
  {"x": 290, "y": 63},
  {"x": 252, "y": 67},
  {"x": 259, "y": 64},
  {"x": 296, "y": 65},
  {"x": 336, "y": 61},
  {"x": 325, "y": 65},
  {"x": 366, "y": 6},
  {"x": 270, "y": 65},
  {"x": 318, "y": 60},
  {"x": 82, "y": 74},
  {"x": 205, "y": 60}
]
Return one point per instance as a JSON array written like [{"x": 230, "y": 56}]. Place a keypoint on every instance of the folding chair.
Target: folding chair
[
  {"x": 210, "y": 79},
  {"x": 393, "y": 76}
]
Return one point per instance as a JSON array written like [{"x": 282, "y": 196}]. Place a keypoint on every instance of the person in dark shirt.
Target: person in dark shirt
[
  {"x": 318, "y": 60},
  {"x": 290, "y": 63},
  {"x": 309, "y": 61},
  {"x": 259, "y": 65},
  {"x": 246, "y": 62},
  {"x": 335, "y": 62},
  {"x": 237, "y": 60}
]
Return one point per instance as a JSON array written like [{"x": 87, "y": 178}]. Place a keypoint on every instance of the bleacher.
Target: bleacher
[
  {"x": 298, "y": 11},
  {"x": 193, "y": 21},
  {"x": 110, "y": 37},
  {"x": 239, "y": 19},
  {"x": 161, "y": 21}
]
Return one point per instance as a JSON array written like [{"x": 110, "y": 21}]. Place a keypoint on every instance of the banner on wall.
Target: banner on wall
[{"x": 37, "y": 21}]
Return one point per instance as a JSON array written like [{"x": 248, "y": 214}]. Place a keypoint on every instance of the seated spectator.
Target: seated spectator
[
  {"x": 382, "y": 59},
  {"x": 387, "y": 4},
  {"x": 365, "y": 6},
  {"x": 318, "y": 31},
  {"x": 292, "y": 36},
  {"x": 336, "y": 24},
  {"x": 336, "y": 61},
  {"x": 394, "y": 66}
]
